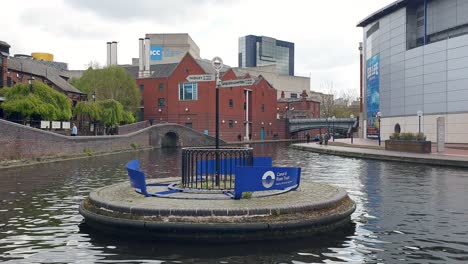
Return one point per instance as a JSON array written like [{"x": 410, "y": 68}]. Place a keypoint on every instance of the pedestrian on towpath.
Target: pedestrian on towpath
[{"x": 74, "y": 131}]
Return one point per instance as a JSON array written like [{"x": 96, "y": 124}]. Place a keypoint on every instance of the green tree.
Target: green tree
[
  {"x": 37, "y": 100},
  {"x": 111, "y": 113},
  {"x": 110, "y": 83},
  {"x": 88, "y": 109}
]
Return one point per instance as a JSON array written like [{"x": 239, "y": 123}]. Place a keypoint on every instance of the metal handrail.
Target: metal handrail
[{"x": 208, "y": 168}]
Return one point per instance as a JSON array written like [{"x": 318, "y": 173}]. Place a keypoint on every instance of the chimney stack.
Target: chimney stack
[
  {"x": 147, "y": 54},
  {"x": 144, "y": 60},
  {"x": 109, "y": 55},
  {"x": 114, "y": 53},
  {"x": 141, "y": 49}
]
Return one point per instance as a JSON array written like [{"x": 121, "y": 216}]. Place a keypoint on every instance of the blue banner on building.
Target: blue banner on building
[
  {"x": 373, "y": 95},
  {"x": 156, "y": 53},
  {"x": 254, "y": 179}
]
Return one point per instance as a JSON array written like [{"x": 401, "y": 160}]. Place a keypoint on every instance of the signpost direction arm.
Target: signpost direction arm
[
  {"x": 239, "y": 82},
  {"x": 201, "y": 78}
]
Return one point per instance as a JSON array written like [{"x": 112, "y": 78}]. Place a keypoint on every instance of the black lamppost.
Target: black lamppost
[
  {"x": 94, "y": 121},
  {"x": 217, "y": 64},
  {"x": 379, "y": 115},
  {"x": 420, "y": 113},
  {"x": 352, "y": 117},
  {"x": 333, "y": 125}
]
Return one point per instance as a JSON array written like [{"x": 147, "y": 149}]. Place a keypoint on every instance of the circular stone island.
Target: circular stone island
[{"x": 312, "y": 208}]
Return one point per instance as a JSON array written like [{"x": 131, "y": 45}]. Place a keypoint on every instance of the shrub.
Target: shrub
[
  {"x": 135, "y": 145},
  {"x": 246, "y": 195},
  {"x": 395, "y": 136},
  {"x": 88, "y": 151},
  {"x": 420, "y": 137},
  {"x": 408, "y": 136}
]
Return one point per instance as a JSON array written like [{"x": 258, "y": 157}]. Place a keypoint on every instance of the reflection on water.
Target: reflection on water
[
  {"x": 405, "y": 213},
  {"x": 284, "y": 251}
]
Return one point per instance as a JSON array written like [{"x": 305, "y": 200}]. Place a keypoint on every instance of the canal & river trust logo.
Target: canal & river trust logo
[{"x": 268, "y": 179}]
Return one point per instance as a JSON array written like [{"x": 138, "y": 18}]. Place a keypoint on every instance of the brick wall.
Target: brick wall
[
  {"x": 200, "y": 113},
  {"x": 127, "y": 129},
  {"x": 22, "y": 142}
]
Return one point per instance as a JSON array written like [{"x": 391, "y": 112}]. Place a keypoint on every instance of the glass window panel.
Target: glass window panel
[
  {"x": 188, "y": 91},
  {"x": 181, "y": 92}
]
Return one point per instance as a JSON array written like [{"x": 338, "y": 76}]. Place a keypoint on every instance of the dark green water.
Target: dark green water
[{"x": 405, "y": 214}]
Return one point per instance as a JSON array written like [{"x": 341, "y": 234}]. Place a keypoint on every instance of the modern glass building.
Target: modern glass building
[
  {"x": 415, "y": 59},
  {"x": 260, "y": 51}
]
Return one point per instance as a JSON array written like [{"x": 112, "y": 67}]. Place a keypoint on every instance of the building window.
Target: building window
[
  {"x": 373, "y": 29},
  {"x": 188, "y": 91},
  {"x": 142, "y": 87},
  {"x": 161, "y": 102},
  {"x": 188, "y": 125},
  {"x": 231, "y": 124},
  {"x": 231, "y": 103},
  {"x": 294, "y": 95},
  {"x": 161, "y": 86},
  {"x": 263, "y": 108}
]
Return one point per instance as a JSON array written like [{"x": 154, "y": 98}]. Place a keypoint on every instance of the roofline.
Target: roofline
[
  {"x": 383, "y": 12},
  {"x": 5, "y": 44}
]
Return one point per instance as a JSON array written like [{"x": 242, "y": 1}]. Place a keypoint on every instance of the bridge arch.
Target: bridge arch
[
  {"x": 343, "y": 124},
  {"x": 170, "y": 140}
]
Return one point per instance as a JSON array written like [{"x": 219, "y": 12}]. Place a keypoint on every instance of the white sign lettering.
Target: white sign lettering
[
  {"x": 241, "y": 82},
  {"x": 201, "y": 78}
]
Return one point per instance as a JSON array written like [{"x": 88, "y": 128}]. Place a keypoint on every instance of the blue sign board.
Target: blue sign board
[
  {"x": 136, "y": 177},
  {"x": 156, "y": 53},
  {"x": 226, "y": 165},
  {"x": 373, "y": 95},
  {"x": 253, "y": 179}
]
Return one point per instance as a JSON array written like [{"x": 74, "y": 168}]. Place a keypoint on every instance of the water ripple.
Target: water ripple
[{"x": 405, "y": 213}]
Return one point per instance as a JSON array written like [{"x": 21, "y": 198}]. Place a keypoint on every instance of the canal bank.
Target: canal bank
[
  {"x": 378, "y": 153},
  {"x": 14, "y": 163}
]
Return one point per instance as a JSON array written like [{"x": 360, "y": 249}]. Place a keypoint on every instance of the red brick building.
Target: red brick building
[
  {"x": 294, "y": 108},
  {"x": 298, "y": 107},
  {"x": 22, "y": 70},
  {"x": 15, "y": 70},
  {"x": 169, "y": 97}
]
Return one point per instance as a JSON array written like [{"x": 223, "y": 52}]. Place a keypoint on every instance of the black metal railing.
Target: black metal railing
[{"x": 213, "y": 169}]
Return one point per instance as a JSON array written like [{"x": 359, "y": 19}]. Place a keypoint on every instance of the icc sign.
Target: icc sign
[{"x": 156, "y": 53}]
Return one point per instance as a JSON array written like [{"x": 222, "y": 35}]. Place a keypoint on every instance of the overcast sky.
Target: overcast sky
[{"x": 76, "y": 31}]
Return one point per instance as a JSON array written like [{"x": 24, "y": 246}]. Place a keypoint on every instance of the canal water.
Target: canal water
[{"x": 405, "y": 214}]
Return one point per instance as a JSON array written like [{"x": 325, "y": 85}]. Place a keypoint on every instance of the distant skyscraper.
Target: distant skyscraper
[{"x": 260, "y": 51}]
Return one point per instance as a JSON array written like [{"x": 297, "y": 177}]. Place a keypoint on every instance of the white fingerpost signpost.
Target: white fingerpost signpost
[
  {"x": 234, "y": 83},
  {"x": 217, "y": 64},
  {"x": 201, "y": 78}
]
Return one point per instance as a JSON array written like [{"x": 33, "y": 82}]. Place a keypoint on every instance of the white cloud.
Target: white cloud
[{"x": 324, "y": 32}]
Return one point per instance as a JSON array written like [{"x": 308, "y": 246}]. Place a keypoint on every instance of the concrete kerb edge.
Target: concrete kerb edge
[
  {"x": 355, "y": 154},
  {"x": 256, "y": 226}
]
